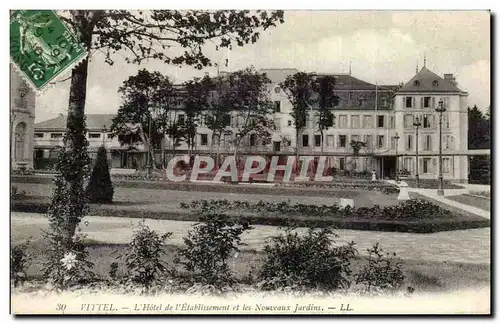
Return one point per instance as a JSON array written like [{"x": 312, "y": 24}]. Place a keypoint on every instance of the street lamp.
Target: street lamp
[
  {"x": 440, "y": 109},
  {"x": 104, "y": 131},
  {"x": 397, "y": 157},
  {"x": 417, "y": 124}
]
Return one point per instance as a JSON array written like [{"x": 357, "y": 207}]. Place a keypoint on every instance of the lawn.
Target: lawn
[{"x": 474, "y": 201}]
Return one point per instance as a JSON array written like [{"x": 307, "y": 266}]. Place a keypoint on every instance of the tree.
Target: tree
[
  {"x": 479, "y": 129},
  {"x": 324, "y": 87},
  {"x": 176, "y": 131},
  {"x": 248, "y": 97},
  {"x": 148, "y": 98},
  {"x": 141, "y": 35},
  {"x": 196, "y": 99},
  {"x": 356, "y": 147},
  {"x": 100, "y": 189},
  {"x": 299, "y": 90}
]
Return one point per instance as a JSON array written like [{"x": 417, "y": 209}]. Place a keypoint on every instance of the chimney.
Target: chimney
[{"x": 450, "y": 78}]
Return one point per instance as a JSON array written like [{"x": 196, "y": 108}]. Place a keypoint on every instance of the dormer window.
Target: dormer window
[
  {"x": 416, "y": 83},
  {"x": 435, "y": 83}
]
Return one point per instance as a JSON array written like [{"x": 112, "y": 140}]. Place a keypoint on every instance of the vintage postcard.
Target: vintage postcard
[{"x": 172, "y": 162}]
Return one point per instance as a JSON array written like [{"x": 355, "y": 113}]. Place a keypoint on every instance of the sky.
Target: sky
[{"x": 384, "y": 47}]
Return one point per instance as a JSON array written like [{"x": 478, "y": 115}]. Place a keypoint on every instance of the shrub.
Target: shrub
[
  {"x": 383, "y": 273},
  {"x": 143, "y": 257},
  {"x": 19, "y": 262},
  {"x": 67, "y": 263},
  {"x": 209, "y": 247},
  {"x": 100, "y": 189},
  {"x": 310, "y": 261}
]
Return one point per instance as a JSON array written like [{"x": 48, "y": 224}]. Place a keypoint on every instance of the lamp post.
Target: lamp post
[
  {"x": 417, "y": 124},
  {"x": 397, "y": 157},
  {"x": 440, "y": 109},
  {"x": 104, "y": 131}
]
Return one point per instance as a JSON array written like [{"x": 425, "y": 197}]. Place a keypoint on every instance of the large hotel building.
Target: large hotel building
[{"x": 381, "y": 116}]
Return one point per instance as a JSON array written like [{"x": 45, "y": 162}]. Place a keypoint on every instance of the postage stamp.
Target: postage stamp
[{"x": 41, "y": 46}]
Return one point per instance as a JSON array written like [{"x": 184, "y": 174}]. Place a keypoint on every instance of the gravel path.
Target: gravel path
[{"x": 472, "y": 245}]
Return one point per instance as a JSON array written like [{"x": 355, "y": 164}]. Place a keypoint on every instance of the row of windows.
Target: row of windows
[
  {"x": 425, "y": 142},
  {"x": 426, "y": 165},
  {"x": 426, "y": 120},
  {"x": 424, "y": 102},
  {"x": 60, "y": 135},
  {"x": 366, "y": 121}
]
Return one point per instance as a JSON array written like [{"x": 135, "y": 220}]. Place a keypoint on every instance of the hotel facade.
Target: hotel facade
[{"x": 380, "y": 116}]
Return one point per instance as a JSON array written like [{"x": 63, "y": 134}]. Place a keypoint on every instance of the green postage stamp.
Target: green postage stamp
[{"x": 41, "y": 46}]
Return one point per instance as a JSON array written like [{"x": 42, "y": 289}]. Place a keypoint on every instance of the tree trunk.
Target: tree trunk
[
  {"x": 322, "y": 141},
  {"x": 163, "y": 151},
  {"x": 76, "y": 148}
]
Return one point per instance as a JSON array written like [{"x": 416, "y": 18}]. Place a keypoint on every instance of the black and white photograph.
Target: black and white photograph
[{"x": 250, "y": 162}]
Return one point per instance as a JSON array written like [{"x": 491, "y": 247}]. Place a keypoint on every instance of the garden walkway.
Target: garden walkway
[{"x": 472, "y": 245}]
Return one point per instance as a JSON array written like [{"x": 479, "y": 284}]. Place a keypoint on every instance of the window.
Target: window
[
  {"x": 446, "y": 165},
  {"x": 408, "y": 164},
  {"x": 110, "y": 136},
  {"x": 56, "y": 135},
  {"x": 277, "y": 106},
  {"x": 369, "y": 141},
  {"x": 305, "y": 140},
  {"x": 94, "y": 135},
  {"x": 393, "y": 142},
  {"x": 329, "y": 140},
  {"x": 426, "y": 121},
  {"x": 203, "y": 139},
  {"x": 343, "y": 121},
  {"x": 408, "y": 102},
  {"x": 408, "y": 121},
  {"x": 409, "y": 142},
  {"x": 317, "y": 140},
  {"x": 289, "y": 123},
  {"x": 276, "y": 146},
  {"x": 392, "y": 122},
  {"x": 252, "y": 139},
  {"x": 341, "y": 163},
  {"x": 180, "y": 119},
  {"x": 226, "y": 120},
  {"x": 20, "y": 141},
  {"x": 342, "y": 140},
  {"x": 360, "y": 102},
  {"x": 38, "y": 135},
  {"x": 277, "y": 89},
  {"x": 427, "y": 102},
  {"x": 355, "y": 121},
  {"x": 367, "y": 121},
  {"x": 380, "y": 121},
  {"x": 446, "y": 120},
  {"x": 428, "y": 143},
  {"x": 380, "y": 141},
  {"x": 383, "y": 102},
  {"x": 277, "y": 123},
  {"x": 448, "y": 142},
  {"x": 355, "y": 138},
  {"x": 426, "y": 168}
]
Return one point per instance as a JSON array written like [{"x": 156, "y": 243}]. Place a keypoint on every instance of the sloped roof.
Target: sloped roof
[
  {"x": 278, "y": 75},
  {"x": 94, "y": 122},
  {"x": 427, "y": 81}
]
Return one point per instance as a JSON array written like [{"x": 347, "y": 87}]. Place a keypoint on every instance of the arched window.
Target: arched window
[{"x": 19, "y": 136}]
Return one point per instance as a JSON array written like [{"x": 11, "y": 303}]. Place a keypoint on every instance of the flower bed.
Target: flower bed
[{"x": 354, "y": 185}]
